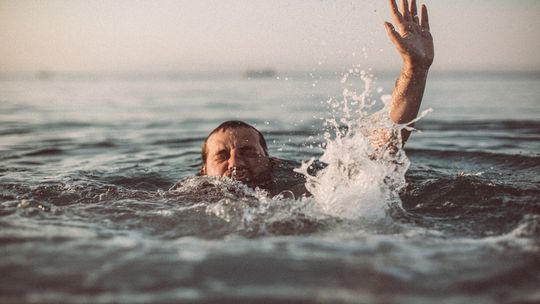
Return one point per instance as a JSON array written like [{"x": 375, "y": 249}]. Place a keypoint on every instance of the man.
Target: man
[{"x": 237, "y": 150}]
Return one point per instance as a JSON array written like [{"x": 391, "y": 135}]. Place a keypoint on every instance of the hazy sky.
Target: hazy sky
[{"x": 75, "y": 35}]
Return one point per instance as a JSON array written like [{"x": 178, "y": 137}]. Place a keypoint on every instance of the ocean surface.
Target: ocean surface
[{"x": 89, "y": 214}]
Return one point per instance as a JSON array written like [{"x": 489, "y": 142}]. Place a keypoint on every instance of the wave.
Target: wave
[
  {"x": 526, "y": 126},
  {"x": 45, "y": 152},
  {"x": 518, "y": 160}
]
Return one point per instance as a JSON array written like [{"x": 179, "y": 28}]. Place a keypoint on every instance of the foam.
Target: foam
[{"x": 365, "y": 162}]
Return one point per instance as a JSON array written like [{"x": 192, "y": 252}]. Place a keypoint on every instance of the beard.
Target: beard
[{"x": 250, "y": 177}]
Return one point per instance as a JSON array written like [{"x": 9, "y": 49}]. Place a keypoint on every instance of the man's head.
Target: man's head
[{"x": 237, "y": 150}]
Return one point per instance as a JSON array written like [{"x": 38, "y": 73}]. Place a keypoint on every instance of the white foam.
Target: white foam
[{"x": 364, "y": 173}]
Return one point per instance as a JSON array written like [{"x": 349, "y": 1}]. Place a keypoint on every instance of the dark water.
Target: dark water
[{"x": 86, "y": 213}]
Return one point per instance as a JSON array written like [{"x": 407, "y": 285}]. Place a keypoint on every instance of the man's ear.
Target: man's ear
[{"x": 202, "y": 171}]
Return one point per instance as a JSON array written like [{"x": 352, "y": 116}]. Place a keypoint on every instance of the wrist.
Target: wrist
[{"x": 412, "y": 69}]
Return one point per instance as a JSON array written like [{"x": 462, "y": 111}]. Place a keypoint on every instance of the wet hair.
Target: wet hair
[{"x": 228, "y": 125}]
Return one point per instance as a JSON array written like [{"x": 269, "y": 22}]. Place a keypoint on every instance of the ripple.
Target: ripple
[{"x": 45, "y": 152}]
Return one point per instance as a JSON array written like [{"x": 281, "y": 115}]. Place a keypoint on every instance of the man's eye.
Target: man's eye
[
  {"x": 251, "y": 153},
  {"x": 221, "y": 156}
]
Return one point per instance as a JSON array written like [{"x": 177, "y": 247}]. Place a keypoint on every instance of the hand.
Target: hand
[{"x": 413, "y": 41}]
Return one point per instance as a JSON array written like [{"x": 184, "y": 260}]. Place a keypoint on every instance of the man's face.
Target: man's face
[{"x": 237, "y": 153}]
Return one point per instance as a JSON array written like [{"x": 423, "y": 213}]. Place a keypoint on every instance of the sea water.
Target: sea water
[{"x": 89, "y": 214}]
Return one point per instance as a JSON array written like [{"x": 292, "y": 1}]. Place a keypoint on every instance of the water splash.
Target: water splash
[
  {"x": 365, "y": 162},
  {"x": 364, "y": 168},
  {"x": 249, "y": 212}
]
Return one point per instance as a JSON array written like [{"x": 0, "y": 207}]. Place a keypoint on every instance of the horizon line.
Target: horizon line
[{"x": 243, "y": 71}]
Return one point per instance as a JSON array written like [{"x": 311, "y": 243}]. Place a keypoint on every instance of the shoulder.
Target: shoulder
[{"x": 285, "y": 179}]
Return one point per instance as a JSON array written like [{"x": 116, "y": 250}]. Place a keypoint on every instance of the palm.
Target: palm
[{"x": 413, "y": 39}]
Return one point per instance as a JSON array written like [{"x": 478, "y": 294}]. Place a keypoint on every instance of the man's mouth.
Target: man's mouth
[{"x": 239, "y": 174}]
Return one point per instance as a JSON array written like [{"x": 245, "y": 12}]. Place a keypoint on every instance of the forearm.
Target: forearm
[{"x": 407, "y": 96}]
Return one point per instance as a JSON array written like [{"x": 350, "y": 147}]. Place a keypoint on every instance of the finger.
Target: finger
[
  {"x": 405, "y": 9},
  {"x": 394, "y": 36},
  {"x": 396, "y": 15},
  {"x": 425, "y": 18},
  {"x": 414, "y": 13}
]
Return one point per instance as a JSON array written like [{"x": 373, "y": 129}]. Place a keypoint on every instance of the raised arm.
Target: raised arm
[{"x": 415, "y": 45}]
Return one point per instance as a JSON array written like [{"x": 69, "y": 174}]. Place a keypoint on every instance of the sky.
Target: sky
[{"x": 231, "y": 35}]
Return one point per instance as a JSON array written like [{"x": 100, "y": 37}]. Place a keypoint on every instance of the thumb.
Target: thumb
[{"x": 394, "y": 36}]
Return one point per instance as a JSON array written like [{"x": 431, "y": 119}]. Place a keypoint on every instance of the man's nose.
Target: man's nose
[{"x": 235, "y": 160}]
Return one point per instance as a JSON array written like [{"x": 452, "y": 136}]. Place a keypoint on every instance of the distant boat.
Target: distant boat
[
  {"x": 44, "y": 75},
  {"x": 266, "y": 73}
]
